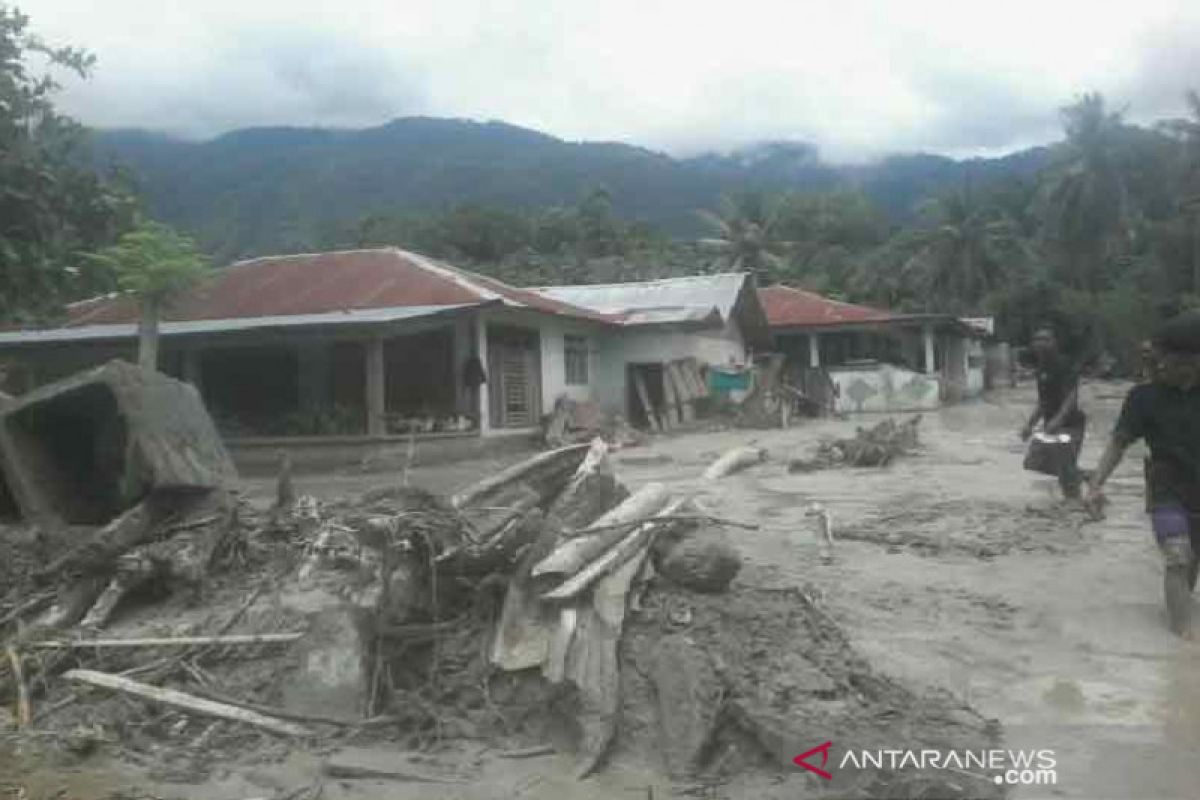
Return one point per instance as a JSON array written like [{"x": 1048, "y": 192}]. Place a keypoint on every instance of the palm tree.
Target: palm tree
[
  {"x": 962, "y": 250},
  {"x": 1187, "y": 133},
  {"x": 1085, "y": 201},
  {"x": 746, "y": 225}
]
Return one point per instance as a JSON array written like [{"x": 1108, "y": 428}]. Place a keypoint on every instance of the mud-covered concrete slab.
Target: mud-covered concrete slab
[{"x": 83, "y": 449}]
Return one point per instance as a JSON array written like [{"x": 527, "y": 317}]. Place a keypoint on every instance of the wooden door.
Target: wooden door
[{"x": 515, "y": 389}]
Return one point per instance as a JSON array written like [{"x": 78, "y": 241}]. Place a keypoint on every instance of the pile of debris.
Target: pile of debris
[
  {"x": 579, "y": 421},
  {"x": 546, "y": 605},
  {"x": 877, "y": 446}
]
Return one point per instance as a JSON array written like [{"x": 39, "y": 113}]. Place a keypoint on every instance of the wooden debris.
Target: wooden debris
[
  {"x": 24, "y": 709},
  {"x": 169, "y": 641},
  {"x": 185, "y": 702},
  {"x": 570, "y": 557},
  {"x": 643, "y": 395},
  {"x": 526, "y": 626},
  {"x": 536, "y": 751},
  {"x": 373, "y": 765},
  {"x": 546, "y": 472},
  {"x": 734, "y": 460},
  {"x": 628, "y": 547}
]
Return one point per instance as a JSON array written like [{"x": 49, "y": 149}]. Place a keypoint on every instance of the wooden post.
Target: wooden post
[
  {"x": 376, "y": 387},
  {"x": 481, "y": 352},
  {"x": 927, "y": 334},
  {"x": 814, "y": 350}
]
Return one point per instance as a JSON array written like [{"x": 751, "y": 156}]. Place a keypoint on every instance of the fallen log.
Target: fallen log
[
  {"x": 550, "y": 469},
  {"x": 734, "y": 460},
  {"x": 167, "y": 641},
  {"x": 184, "y": 701},
  {"x": 573, "y": 554},
  {"x": 640, "y": 539}
]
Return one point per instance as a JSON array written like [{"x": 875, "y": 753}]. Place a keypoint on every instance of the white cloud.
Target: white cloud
[{"x": 857, "y": 78}]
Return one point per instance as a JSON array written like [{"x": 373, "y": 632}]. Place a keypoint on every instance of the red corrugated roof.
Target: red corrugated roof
[
  {"x": 788, "y": 307},
  {"x": 327, "y": 282}
]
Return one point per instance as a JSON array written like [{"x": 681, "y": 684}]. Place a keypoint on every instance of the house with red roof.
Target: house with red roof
[
  {"x": 878, "y": 360},
  {"x": 388, "y": 343}
]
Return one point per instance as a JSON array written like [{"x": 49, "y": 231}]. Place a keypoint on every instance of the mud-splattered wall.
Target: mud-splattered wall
[{"x": 883, "y": 387}]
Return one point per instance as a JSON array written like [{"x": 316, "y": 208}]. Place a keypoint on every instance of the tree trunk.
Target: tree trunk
[{"x": 148, "y": 335}]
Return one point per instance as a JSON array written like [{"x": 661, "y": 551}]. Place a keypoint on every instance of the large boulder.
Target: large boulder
[{"x": 703, "y": 560}]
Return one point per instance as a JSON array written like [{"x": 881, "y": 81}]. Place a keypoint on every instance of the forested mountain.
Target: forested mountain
[{"x": 284, "y": 189}]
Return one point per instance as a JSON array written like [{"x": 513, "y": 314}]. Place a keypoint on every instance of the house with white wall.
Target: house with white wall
[
  {"x": 383, "y": 344},
  {"x": 713, "y": 320},
  {"x": 371, "y": 343},
  {"x": 878, "y": 360}
]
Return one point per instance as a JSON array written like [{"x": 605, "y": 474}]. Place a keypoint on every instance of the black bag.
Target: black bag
[{"x": 1049, "y": 454}]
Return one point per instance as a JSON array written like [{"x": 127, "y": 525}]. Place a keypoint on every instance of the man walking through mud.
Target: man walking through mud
[
  {"x": 1058, "y": 406},
  {"x": 1165, "y": 411}
]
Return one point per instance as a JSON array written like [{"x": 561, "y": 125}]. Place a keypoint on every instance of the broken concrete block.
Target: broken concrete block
[
  {"x": 85, "y": 448},
  {"x": 703, "y": 561},
  {"x": 331, "y": 677}
]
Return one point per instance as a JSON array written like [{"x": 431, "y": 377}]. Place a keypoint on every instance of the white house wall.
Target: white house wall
[
  {"x": 885, "y": 388},
  {"x": 627, "y": 346},
  {"x": 551, "y": 331}
]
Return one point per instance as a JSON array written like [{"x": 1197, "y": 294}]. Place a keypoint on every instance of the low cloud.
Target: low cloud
[{"x": 857, "y": 79}]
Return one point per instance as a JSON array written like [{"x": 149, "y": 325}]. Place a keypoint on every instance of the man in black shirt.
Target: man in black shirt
[
  {"x": 1166, "y": 413},
  {"x": 1058, "y": 406}
]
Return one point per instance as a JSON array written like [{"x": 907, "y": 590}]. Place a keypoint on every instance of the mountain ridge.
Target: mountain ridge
[{"x": 275, "y": 189}]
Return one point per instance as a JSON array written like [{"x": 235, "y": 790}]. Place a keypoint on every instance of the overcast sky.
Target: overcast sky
[{"x": 857, "y": 78}]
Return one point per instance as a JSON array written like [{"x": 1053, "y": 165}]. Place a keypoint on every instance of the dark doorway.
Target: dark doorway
[{"x": 74, "y": 449}]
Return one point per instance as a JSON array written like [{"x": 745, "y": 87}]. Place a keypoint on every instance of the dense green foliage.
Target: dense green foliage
[{"x": 53, "y": 207}]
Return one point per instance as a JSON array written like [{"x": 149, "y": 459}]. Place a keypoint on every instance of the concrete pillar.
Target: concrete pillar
[
  {"x": 814, "y": 350},
  {"x": 927, "y": 334},
  {"x": 376, "y": 387},
  {"x": 463, "y": 336},
  {"x": 481, "y": 351}
]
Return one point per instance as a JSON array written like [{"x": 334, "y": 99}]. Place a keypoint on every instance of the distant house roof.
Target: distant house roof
[
  {"x": 702, "y": 300},
  {"x": 308, "y": 289},
  {"x": 787, "y": 307}
]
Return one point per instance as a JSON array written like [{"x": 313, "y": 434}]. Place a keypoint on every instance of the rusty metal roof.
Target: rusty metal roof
[
  {"x": 126, "y": 330},
  {"x": 327, "y": 283},
  {"x": 788, "y": 308}
]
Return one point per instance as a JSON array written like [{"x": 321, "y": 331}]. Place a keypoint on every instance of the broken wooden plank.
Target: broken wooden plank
[
  {"x": 184, "y": 701},
  {"x": 733, "y": 460},
  {"x": 24, "y": 710},
  {"x": 168, "y": 641},
  {"x": 671, "y": 397},
  {"x": 357, "y": 764},
  {"x": 639, "y": 386}
]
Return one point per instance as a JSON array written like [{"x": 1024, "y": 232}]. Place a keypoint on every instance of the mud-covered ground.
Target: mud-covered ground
[{"x": 955, "y": 575}]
